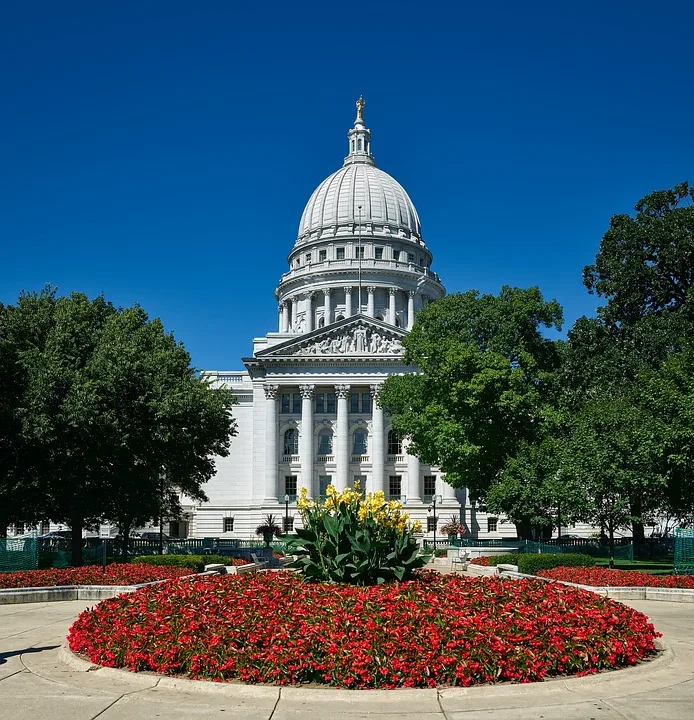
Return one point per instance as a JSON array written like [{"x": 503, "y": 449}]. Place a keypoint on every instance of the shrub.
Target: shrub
[
  {"x": 197, "y": 562},
  {"x": 531, "y": 564},
  {"x": 355, "y": 540}
]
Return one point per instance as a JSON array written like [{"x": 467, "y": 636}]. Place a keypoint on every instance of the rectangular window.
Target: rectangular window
[
  {"x": 359, "y": 252},
  {"x": 430, "y": 485},
  {"x": 340, "y": 253},
  {"x": 330, "y": 402},
  {"x": 365, "y": 402},
  {"x": 394, "y": 487},
  {"x": 354, "y": 403},
  {"x": 228, "y": 524},
  {"x": 431, "y": 523},
  {"x": 320, "y": 402},
  {"x": 308, "y": 257},
  {"x": 322, "y": 255},
  {"x": 491, "y": 524},
  {"x": 410, "y": 258},
  {"x": 323, "y": 482},
  {"x": 288, "y": 524},
  {"x": 325, "y": 442},
  {"x": 286, "y": 402},
  {"x": 378, "y": 253},
  {"x": 296, "y": 403},
  {"x": 290, "y": 487}
]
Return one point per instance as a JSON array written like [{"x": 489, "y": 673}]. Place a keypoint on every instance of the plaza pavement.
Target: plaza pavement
[{"x": 37, "y": 683}]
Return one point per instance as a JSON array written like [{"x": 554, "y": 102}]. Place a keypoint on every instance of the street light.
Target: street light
[
  {"x": 286, "y": 513},
  {"x": 435, "y": 499}
]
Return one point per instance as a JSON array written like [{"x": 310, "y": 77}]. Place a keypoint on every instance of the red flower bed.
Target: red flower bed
[
  {"x": 437, "y": 630},
  {"x": 116, "y": 574},
  {"x": 604, "y": 577},
  {"x": 480, "y": 561},
  {"x": 237, "y": 561}
]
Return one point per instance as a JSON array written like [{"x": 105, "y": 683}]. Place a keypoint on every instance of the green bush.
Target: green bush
[
  {"x": 197, "y": 562},
  {"x": 507, "y": 559},
  {"x": 355, "y": 540},
  {"x": 530, "y": 564}
]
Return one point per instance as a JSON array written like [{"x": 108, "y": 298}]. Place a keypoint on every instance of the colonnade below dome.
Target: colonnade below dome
[{"x": 313, "y": 309}]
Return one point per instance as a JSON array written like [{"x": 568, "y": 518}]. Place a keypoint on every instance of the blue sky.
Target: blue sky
[{"x": 162, "y": 152}]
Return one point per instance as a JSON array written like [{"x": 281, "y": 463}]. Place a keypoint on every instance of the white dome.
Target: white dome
[{"x": 334, "y": 205}]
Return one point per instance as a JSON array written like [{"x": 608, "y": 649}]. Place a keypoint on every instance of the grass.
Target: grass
[{"x": 652, "y": 567}]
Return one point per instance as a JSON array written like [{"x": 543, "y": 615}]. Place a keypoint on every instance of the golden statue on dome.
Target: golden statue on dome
[{"x": 360, "y": 108}]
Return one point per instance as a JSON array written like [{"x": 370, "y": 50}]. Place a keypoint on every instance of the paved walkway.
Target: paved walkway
[{"x": 36, "y": 684}]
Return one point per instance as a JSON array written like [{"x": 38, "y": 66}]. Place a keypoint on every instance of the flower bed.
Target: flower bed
[
  {"x": 480, "y": 561},
  {"x": 436, "y": 630},
  {"x": 116, "y": 574},
  {"x": 604, "y": 577}
]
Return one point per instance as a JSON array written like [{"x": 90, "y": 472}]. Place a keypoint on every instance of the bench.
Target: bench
[
  {"x": 460, "y": 561},
  {"x": 260, "y": 563}
]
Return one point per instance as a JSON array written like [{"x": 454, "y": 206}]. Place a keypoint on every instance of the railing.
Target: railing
[
  {"x": 361, "y": 458},
  {"x": 325, "y": 458},
  {"x": 684, "y": 551},
  {"x": 395, "y": 458},
  {"x": 355, "y": 263},
  {"x": 291, "y": 459}
]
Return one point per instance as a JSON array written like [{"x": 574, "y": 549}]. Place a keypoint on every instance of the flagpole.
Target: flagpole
[{"x": 359, "y": 253}]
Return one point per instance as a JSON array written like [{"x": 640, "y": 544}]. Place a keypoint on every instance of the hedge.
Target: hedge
[
  {"x": 529, "y": 564},
  {"x": 197, "y": 562}
]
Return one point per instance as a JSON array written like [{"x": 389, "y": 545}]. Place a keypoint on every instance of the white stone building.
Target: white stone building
[{"x": 358, "y": 273}]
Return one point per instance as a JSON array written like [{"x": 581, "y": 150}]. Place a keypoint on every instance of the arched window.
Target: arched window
[
  {"x": 339, "y": 317},
  {"x": 359, "y": 447},
  {"x": 325, "y": 442},
  {"x": 352, "y": 145},
  {"x": 291, "y": 442},
  {"x": 397, "y": 322},
  {"x": 359, "y": 144},
  {"x": 394, "y": 443},
  {"x": 321, "y": 322}
]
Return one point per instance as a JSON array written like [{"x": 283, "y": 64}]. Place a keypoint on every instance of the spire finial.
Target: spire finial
[{"x": 360, "y": 109}]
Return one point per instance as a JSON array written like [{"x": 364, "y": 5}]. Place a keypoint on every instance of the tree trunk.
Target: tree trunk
[
  {"x": 124, "y": 529},
  {"x": 638, "y": 532},
  {"x": 76, "y": 526},
  {"x": 3, "y": 531},
  {"x": 611, "y": 543},
  {"x": 524, "y": 530}
]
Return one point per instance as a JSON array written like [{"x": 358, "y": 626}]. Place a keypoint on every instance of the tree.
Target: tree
[
  {"x": 109, "y": 407},
  {"x": 484, "y": 382},
  {"x": 612, "y": 456}
]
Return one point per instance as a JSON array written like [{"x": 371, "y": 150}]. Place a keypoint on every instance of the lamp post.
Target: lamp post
[
  {"x": 435, "y": 499},
  {"x": 286, "y": 513}
]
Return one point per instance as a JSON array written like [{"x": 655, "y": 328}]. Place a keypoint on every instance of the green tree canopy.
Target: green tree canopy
[
  {"x": 483, "y": 384},
  {"x": 112, "y": 414}
]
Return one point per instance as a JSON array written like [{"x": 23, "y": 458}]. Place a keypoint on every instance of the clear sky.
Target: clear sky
[{"x": 162, "y": 152}]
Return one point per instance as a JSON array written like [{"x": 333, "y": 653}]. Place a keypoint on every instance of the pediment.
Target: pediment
[{"x": 356, "y": 336}]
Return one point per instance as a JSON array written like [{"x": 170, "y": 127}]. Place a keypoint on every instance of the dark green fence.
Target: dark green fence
[
  {"x": 684, "y": 551},
  {"x": 19, "y": 553}
]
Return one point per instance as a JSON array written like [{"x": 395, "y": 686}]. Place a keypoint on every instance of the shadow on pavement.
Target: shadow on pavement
[{"x": 5, "y": 655}]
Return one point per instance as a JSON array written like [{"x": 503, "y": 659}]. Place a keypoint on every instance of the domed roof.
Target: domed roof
[
  {"x": 335, "y": 202},
  {"x": 333, "y": 209}
]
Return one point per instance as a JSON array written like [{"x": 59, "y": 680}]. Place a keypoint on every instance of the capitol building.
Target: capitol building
[{"x": 307, "y": 415}]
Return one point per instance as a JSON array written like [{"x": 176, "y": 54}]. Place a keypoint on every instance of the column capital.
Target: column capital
[
  {"x": 411, "y": 293},
  {"x": 271, "y": 391},
  {"x": 281, "y": 305},
  {"x": 392, "y": 290},
  {"x": 310, "y": 294},
  {"x": 371, "y": 289},
  {"x": 327, "y": 291},
  {"x": 373, "y": 389},
  {"x": 342, "y": 391},
  {"x": 307, "y": 391},
  {"x": 347, "y": 289}
]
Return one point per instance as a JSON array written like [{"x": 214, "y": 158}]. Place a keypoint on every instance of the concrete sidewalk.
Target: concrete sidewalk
[{"x": 35, "y": 683}]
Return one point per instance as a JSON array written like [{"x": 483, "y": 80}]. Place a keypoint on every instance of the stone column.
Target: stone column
[
  {"x": 410, "y": 309},
  {"x": 284, "y": 318},
  {"x": 414, "y": 493},
  {"x": 378, "y": 455},
  {"x": 342, "y": 455},
  {"x": 271, "y": 441},
  {"x": 327, "y": 306},
  {"x": 370, "y": 302},
  {"x": 391, "y": 305},
  {"x": 306, "y": 449},
  {"x": 295, "y": 309},
  {"x": 448, "y": 493},
  {"x": 309, "y": 310},
  {"x": 348, "y": 302}
]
